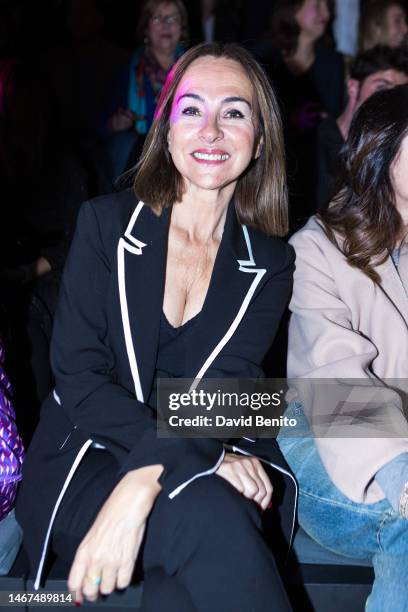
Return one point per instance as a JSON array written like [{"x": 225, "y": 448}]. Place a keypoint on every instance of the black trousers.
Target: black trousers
[{"x": 203, "y": 551}]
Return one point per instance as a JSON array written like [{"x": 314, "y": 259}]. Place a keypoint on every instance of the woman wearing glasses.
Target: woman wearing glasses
[{"x": 161, "y": 27}]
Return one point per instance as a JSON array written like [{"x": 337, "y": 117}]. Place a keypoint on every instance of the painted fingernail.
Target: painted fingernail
[
  {"x": 269, "y": 506},
  {"x": 77, "y": 603}
]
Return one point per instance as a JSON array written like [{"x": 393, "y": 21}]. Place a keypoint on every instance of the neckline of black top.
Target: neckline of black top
[{"x": 179, "y": 328}]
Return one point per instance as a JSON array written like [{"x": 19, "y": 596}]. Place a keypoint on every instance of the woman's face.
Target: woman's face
[
  {"x": 212, "y": 126},
  {"x": 313, "y": 17},
  {"x": 395, "y": 26},
  {"x": 164, "y": 28},
  {"x": 399, "y": 179}
]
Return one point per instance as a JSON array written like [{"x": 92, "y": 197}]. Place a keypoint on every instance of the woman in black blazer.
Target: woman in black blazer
[{"x": 187, "y": 281}]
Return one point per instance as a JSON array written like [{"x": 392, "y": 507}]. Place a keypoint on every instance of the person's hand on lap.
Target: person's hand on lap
[
  {"x": 106, "y": 557},
  {"x": 248, "y": 477}
]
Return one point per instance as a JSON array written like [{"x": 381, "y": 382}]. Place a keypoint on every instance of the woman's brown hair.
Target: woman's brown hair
[
  {"x": 364, "y": 214},
  {"x": 284, "y": 31},
  {"x": 260, "y": 195},
  {"x": 372, "y": 20}
]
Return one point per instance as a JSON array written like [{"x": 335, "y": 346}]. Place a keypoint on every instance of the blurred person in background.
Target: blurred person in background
[
  {"x": 308, "y": 77},
  {"x": 382, "y": 22},
  {"x": 349, "y": 325},
  {"x": 378, "y": 68},
  {"x": 135, "y": 91}
]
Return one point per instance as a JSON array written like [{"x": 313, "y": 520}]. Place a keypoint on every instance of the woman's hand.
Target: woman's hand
[
  {"x": 248, "y": 476},
  {"x": 122, "y": 119},
  {"x": 106, "y": 557}
]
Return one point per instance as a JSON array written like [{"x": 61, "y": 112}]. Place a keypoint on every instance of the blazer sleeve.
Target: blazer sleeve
[
  {"x": 84, "y": 367},
  {"x": 324, "y": 345}
]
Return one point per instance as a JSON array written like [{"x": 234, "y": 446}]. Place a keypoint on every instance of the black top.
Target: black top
[
  {"x": 329, "y": 142},
  {"x": 172, "y": 352}
]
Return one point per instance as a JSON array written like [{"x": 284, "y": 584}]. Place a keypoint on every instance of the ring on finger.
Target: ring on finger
[{"x": 95, "y": 579}]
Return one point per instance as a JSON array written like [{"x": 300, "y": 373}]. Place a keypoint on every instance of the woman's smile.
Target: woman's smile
[{"x": 208, "y": 156}]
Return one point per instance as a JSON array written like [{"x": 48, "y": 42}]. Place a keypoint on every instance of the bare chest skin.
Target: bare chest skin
[{"x": 188, "y": 274}]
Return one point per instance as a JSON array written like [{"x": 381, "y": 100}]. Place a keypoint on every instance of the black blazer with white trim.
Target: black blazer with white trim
[{"x": 104, "y": 352}]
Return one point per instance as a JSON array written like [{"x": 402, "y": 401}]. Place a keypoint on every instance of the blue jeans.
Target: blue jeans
[{"x": 371, "y": 532}]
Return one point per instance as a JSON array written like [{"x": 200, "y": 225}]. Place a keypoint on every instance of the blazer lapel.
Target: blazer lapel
[
  {"x": 234, "y": 281},
  {"x": 141, "y": 273}
]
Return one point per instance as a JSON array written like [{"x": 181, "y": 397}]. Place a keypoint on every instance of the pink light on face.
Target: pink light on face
[
  {"x": 183, "y": 88},
  {"x": 166, "y": 87}
]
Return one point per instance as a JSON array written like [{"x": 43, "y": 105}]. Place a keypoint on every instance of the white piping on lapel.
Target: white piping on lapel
[
  {"x": 125, "y": 318},
  {"x": 247, "y": 266},
  {"x": 136, "y": 250},
  {"x": 227, "y": 336},
  {"x": 128, "y": 232},
  {"x": 251, "y": 260},
  {"x": 232, "y": 327},
  {"x": 68, "y": 479}
]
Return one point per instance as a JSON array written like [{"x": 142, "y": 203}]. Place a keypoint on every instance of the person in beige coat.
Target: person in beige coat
[{"x": 348, "y": 343}]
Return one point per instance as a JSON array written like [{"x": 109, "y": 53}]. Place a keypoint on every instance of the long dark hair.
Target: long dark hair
[
  {"x": 260, "y": 195},
  {"x": 363, "y": 213},
  {"x": 284, "y": 29}
]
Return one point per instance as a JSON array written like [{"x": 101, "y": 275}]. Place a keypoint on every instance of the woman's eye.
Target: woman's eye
[
  {"x": 234, "y": 114},
  {"x": 191, "y": 111}
]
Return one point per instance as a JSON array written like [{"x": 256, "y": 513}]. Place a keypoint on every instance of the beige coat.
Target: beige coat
[{"x": 344, "y": 325}]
